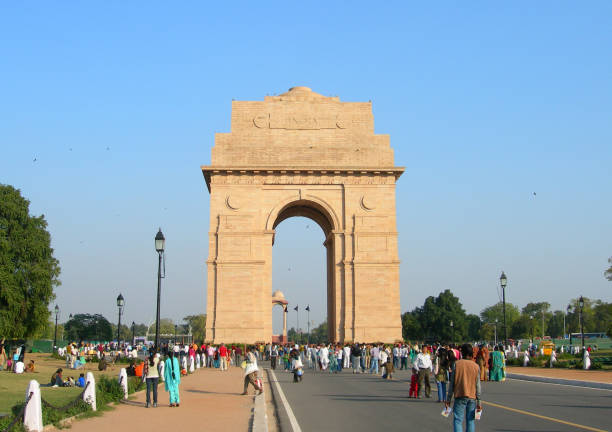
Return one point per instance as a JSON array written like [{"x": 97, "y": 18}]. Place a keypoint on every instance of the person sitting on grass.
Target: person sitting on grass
[
  {"x": 30, "y": 367},
  {"x": 102, "y": 365},
  {"x": 56, "y": 378},
  {"x": 81, "y": 381}
]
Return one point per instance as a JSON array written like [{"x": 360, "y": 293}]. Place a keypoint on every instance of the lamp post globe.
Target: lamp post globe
[
  {"x": 503, "y": 281},
  {"x": 120, "y": 304},
  {"x": 55, "y": 335},
  {"x": 160, "y": 245}
]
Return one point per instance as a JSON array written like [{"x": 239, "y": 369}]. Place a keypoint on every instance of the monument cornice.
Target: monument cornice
[{"x": 209, "y": 170}]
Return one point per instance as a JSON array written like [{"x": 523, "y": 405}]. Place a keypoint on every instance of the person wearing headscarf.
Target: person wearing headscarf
[{"x": 172, "y": 378}]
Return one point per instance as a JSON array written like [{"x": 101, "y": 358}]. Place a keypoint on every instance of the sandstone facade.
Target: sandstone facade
[{"x": 303, "y": 154}]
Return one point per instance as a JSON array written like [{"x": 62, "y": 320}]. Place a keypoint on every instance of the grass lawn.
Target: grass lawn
[{"x": 13, "y": 386}]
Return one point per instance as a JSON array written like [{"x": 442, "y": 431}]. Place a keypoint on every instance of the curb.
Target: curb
[
  {"x": 260, "y": 416},
  {"x": 575, "y": 383}
]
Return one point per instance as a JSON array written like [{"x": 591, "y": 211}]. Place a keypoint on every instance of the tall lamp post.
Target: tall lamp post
[
  {"x": 564, "y": 315},
  {"x": 503, "y": 282},
  {"x": 308, "y": 337},
  {"x": 496, "y": 320},
  {"x": 160, "y": 243},
  {"x": 133, "y": 333},
  {"x": 120, "y": 303},
  {"x": 175, "y": 327},
  {"x": 581, "y": 304},
  {"x": 531, "y": 319},
  {"x": 55, "y": 337},
  {"x": 452, "y": 324},
  {"x": 569, "y": 330}
]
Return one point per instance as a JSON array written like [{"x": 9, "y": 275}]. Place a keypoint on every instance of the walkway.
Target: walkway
[
  {"x": 210, "y": 400},
  {"x": 566, "y": 374}
]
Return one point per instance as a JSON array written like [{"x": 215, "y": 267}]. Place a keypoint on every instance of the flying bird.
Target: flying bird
[
  {"x": 34, "y": 160},
  {"x": 534, "y": 194}
]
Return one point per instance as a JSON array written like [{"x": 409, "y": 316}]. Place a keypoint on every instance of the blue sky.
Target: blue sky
[{"x": 485, "y": 104}]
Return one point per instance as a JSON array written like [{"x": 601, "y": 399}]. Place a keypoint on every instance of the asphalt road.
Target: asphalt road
[{"x": 363, "y": 402}]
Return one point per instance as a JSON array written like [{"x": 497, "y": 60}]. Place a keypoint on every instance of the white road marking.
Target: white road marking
[{"x": 292, "y": 419}]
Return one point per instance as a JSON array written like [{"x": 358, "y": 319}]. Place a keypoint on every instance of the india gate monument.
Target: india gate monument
[{"x": 303, "y": 154}]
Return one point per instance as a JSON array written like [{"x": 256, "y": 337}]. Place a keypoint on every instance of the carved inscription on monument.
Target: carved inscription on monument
[{"x": 298, "y": 121}]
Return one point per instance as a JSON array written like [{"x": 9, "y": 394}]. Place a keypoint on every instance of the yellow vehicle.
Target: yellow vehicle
[{"x": 548, "y": 346}]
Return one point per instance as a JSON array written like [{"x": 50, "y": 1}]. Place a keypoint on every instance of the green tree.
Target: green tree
[
  {"x": 411, "y": 328},
  {"x": 198, "y": 326},
  {"x": 496, "y": 312},
  {"x": 318, "y": 335},
  {"x": 432, "y": 322},
  {"x": 88, "y": 327},
  {"x": 473, "y": 325},
  {"x": 28, "y": 270},
  {"x": 538, "y": 315}
]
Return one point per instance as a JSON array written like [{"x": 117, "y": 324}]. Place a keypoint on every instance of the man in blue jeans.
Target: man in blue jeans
[{"x": 464, "y": 386}]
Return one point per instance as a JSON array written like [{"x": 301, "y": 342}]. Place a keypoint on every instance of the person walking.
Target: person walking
[
  {"x": 151, "y": 375},
  {"x": 374, "y": 356},
  {"x": 172, "y": 378},
  {"x": 356, "y": 358},
  {"x": 497, "y": 365},
  {"x": 464, "y": 386},
  {"x": 441, "y": 373},
  {"x": 424, "y": 365},
  {"x": 250, "y": 372}
]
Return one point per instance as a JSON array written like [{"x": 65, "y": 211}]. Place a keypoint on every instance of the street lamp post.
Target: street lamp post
[
  {"x": 175, "y": 327},
  {"x": 452, "y": 331},
  {"x": 55, "y": 337},
  {"x": 496, "y": 331},
  {"x": 581, "y": 304},
  {"x": 564, "y": 315},
  {"x": 133, "y": 333},
  {"x": 308, "y": 337},
  {"x": 531, "y": 319},
  {"x": 503, "y": 281},
  {"x": 120, "y": 303},
  {"x": 569, "y": 330},
  {"x": 160, "y": 243}
]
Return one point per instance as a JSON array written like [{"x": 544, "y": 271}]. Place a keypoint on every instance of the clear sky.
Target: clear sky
[{"x": 108, "y": 110}]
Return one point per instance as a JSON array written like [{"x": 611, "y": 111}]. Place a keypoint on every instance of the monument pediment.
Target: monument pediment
[{"x": 301, "y": 128}]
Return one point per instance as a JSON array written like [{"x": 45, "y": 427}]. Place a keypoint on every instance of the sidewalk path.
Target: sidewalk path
[
  {"x": 566, "y": 374},
  {"x": 210, "y": 400}
]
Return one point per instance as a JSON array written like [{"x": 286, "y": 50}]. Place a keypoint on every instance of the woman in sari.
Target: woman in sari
[
  {"x": 497, "y": 365},
  {"x": 172, "y": 378}
]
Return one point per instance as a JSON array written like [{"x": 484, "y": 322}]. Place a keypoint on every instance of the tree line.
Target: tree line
[{"x": 432, "y": 321}]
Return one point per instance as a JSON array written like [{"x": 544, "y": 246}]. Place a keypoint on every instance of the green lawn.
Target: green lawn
[{"x": 13, "y": 386}]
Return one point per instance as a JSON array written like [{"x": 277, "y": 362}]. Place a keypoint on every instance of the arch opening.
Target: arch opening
[{"x": 322, "y": 302}]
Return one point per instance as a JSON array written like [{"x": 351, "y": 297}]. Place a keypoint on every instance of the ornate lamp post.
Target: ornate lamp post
[
  {"x": 308, "y": 337},
  {"x": 452, "y": 324},
  {"x": 160, "y": 243},
  {"x": 55, "y": 337},
  {"x": 133, "y": 333},
  {"x": 496, "y": 320},
  {"x": 503, "y": 282},
  {"x": 120, "y": 303},
  {"x": 581, "y": 304}
]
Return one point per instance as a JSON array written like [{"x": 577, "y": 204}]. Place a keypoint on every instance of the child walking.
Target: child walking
[{"x": 414, "y": 384}]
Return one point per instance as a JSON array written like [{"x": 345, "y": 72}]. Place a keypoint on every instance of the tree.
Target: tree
[
  {"x": 198, "y": 326},
  {"x": 318, "y": 334},
  {"x": 473, "y": 327},
  {"x": 496, "y": 312},
  {"x": 87, "y": 327},
  {"x": 608, "y": 273},
  {"x": 432, "y": 321},
  {"x": 28, "y": 270}
]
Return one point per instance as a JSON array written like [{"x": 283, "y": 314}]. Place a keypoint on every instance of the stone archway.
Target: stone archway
[{"x": 303, "y": 154}]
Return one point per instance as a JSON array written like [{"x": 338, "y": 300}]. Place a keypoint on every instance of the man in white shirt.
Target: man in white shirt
[
  {"x": 347, "y": 357},
  {"x": 374, "y": 357},
  {"x": 424, "y": 365}
]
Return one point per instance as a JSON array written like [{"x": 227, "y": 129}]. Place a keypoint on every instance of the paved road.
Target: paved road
[{"x": 363, "y": 402}]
